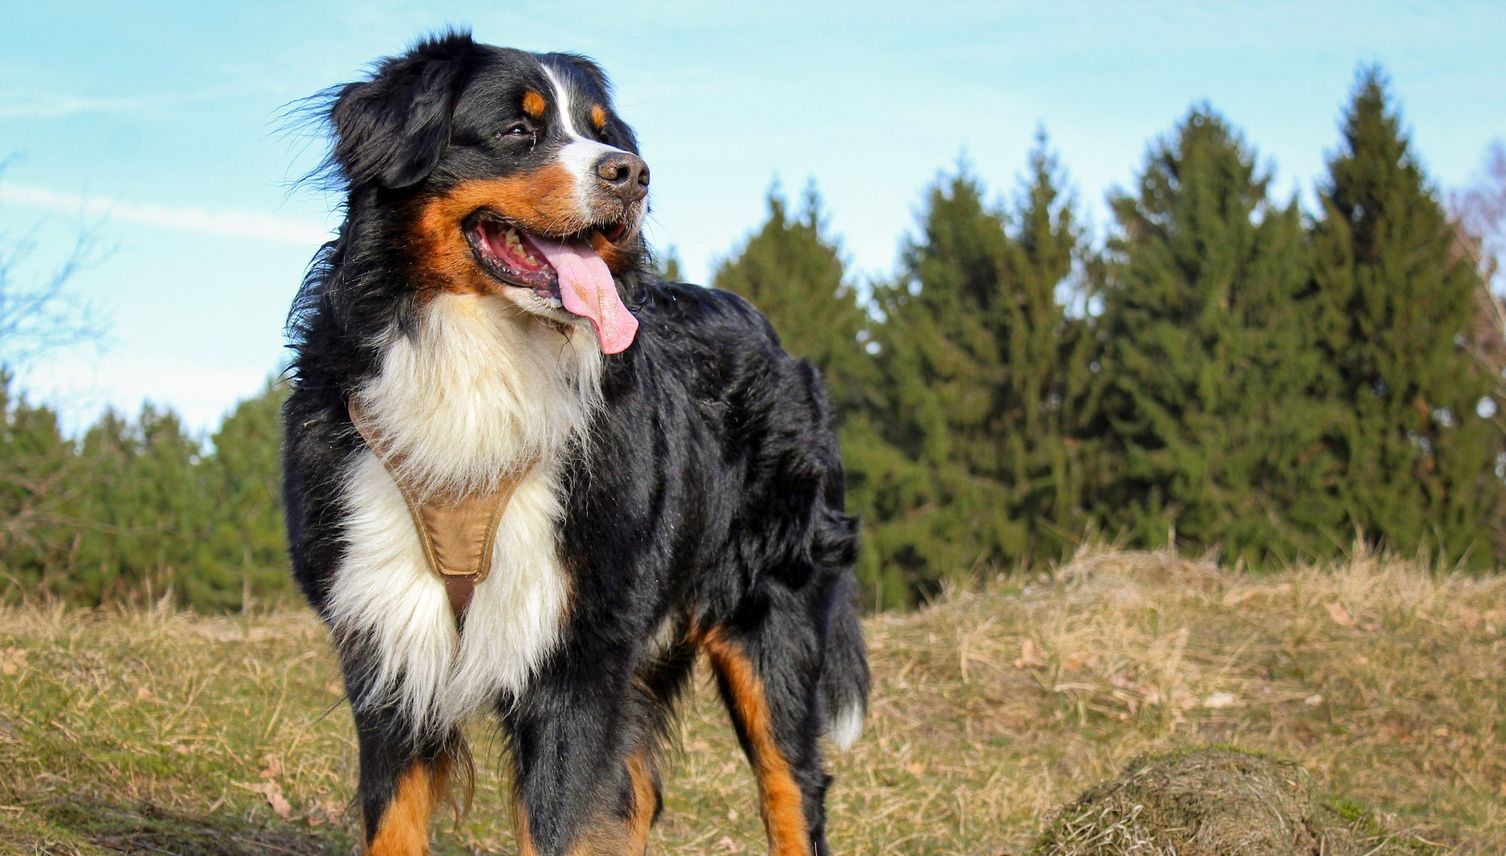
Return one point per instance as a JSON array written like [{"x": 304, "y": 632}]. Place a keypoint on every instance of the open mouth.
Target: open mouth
[
  {"x": 517, "y": 258},
  {"x": 565, "y": 272}
]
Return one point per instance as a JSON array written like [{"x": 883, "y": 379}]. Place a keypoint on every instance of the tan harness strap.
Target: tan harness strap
[{"x": 457, "y": 531}]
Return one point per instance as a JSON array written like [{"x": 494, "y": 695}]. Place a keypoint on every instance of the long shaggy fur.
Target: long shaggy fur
[{"x": 683, "y": 495}]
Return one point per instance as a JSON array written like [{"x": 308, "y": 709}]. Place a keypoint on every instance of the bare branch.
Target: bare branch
[
  {"x": 37, "y": 318},
  {"x": 1480, "y": 209},
  {"x": 39, "y": 314}
]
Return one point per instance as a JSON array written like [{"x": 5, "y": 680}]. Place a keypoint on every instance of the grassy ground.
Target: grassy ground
[{"x": 167, "y": 732}]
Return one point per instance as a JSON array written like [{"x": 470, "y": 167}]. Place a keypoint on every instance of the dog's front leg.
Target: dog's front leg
[
  {"x": 581, "y": 784},
  {"x": 403, "y": 780}
]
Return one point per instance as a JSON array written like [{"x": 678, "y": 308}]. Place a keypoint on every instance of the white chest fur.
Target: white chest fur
[{"x": 477, "y": 392}]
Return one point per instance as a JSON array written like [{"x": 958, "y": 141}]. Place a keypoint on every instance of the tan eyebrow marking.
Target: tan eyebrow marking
[
  {"x": 534, "y": 104},
  {"x": 598, "y": 116}
]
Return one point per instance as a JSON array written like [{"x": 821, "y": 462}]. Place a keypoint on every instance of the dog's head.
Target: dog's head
[{"x": 514, "y": 174}]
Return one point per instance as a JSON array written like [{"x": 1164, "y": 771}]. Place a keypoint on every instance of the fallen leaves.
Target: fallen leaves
[
  {"x": 1032, "y": 656},
  {"x": 12, "y": 661},
  {"x": 1340, "y": 615},
  {"x": 269, "y": 788},
  {"x": 275, "y": 798}
]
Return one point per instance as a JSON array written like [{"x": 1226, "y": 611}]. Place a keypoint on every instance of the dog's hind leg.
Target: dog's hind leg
[{"x": 768, "y": 678}]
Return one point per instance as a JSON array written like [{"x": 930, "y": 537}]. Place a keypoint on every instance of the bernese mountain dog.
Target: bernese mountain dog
[{"x": 525, "y": 477}]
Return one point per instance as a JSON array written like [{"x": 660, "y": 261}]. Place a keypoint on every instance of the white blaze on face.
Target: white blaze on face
[
  {"x": 586, "y": 285},
  {"x": 580, "y": 154}
]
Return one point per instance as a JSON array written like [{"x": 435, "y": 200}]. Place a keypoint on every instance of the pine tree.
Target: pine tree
[
  {"x": 1046, "y": 354},
  {"x": 988, "y": 382},
  {"x": 242, "y": 557},
  {"x": 943, "y": 512},
  {"x": 795, "y": 275},
  {"x": 94, "y": 571},
  {"x": 140, "y": 527},
  {"x": 136, "y": 510},
  {"x": 38, "y": 479},
  {"x": 1395, "y": 304},
  {"x": 1211, "y": 433},
  {"x": 168, "y": 477}
]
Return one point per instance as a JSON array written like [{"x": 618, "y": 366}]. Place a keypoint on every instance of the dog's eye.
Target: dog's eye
[{"x": 519, "y": 131}]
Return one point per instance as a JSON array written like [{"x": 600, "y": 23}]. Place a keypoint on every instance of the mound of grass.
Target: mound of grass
[
  {"x": 165, "y": 732},
  {"x": 1212, "y": 802}
]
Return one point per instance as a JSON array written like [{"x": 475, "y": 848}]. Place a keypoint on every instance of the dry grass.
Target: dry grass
[
  {"x": 1215, "y": 801},
  {"x": 163, "y": 732}
]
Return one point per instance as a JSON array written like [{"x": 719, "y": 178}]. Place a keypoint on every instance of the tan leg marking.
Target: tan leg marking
[
  {"x": 641, "y": 773},
  {"x": 780, "y": 800},
  {"x": 404, "y": 827},
  {"x": 612, "y": 836}
]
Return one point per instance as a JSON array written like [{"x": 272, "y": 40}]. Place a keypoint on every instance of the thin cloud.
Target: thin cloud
[
  {"x": 67, "y": 105},
  {"x": 25, "y": 103},
  {"x": 240, "y": 224}
]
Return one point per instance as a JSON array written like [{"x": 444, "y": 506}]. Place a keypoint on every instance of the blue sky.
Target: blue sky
[{"x": 157, "y": 127}]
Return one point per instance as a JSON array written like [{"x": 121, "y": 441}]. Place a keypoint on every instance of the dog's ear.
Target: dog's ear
[{"x": 393, "y": 128}]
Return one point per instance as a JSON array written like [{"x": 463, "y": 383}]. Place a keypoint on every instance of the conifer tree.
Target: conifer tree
[
  {"x": 243, "y": 554},
  {"x": 140, "y": 511},
  {"x": 1211, "y": 433},
  {"x": 795, "y": 275},
  {"x": 94, "y": 571},
  {"x": 944, "y": 512},
  {"x": 1039, "y": 407},
  {"x": 1395, "y": 304},
  {"x": 167, "y": 491},
  {"x": 145, "y": 515},
  {"x": 39, "y": 477},
  {"x": 667, "y": 263},
  {"x": 988, "y": 381}
]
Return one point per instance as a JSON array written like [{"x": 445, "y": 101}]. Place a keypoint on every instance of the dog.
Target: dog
[{"x": 527, "y": 478}]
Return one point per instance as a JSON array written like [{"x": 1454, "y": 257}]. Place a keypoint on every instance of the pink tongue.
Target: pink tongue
[{"x": 588, "y": 291}]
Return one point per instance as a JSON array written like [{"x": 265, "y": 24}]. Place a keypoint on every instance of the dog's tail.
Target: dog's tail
[
  {"x": 843, "y": 686},
  {"x": 844, "y": 677},
  {"x": 842, "y": 689}
]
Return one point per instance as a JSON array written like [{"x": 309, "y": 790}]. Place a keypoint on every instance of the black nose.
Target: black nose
[{"x": 625, "y": 174}]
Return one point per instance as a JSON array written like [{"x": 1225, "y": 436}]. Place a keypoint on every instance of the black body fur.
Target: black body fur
[{"x": 711, "y": 494}]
